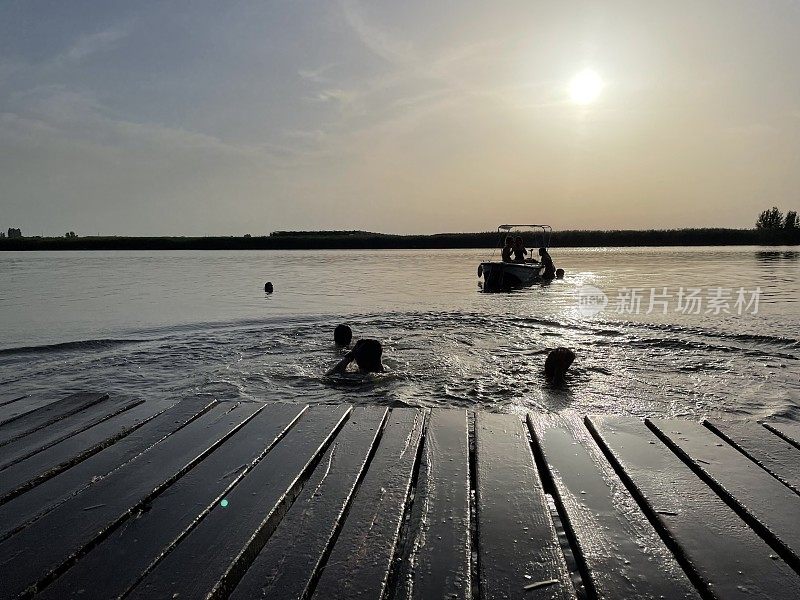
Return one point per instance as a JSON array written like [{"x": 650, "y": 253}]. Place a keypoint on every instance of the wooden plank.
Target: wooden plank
[
  {"x": 207, "y": 564},
  {"x": 516, "y": 538},
  {"x": 74, "y": 526},
  {"x": 42, "y": 439},
  {"x": 36, "y": 502},
  {"x": 289, "y": 563},
  {"x": 437, "y": 559},
  {"x": 724, "y": 557},
  {"x": 359, "y": 564},
  {"x": 57, "y": 458},
  {"x": 623, "y": 555},
  {"x": 115, "y": 565},
  {"x": 767, "y": 504},
  {"x": 788, "y": 431},
  {"x": 769, "y": 451},
  {"x": 12, "y": 400},
  {"x": 24, "y": 404},
  {"x": 27, "y": 406},
  {"x": 47, "y": 415}
]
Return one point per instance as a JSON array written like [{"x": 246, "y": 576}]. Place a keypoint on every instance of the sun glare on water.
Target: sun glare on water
[{"x": 585, "y": 87}]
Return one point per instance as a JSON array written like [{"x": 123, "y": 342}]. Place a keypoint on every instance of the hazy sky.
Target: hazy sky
[{"x": 234, "y": 117}]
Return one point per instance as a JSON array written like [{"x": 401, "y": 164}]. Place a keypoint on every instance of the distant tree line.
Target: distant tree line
[
  {"x": 17, "y": 233},
  {"x": 774, "y": 220},
  {"x": 366, "y": 240},
  {"x": 772, "y": 228},
  {"x": 321, "y": 233}
]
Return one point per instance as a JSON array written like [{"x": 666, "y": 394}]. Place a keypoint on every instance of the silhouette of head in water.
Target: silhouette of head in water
[
  {"x": 557, "y": 363},
  {"x": 559, "y": 273},
  {"x": 268, "y": 287},
  {"x": 367, "y": 354},
  {"x": 342, "y": 335}
]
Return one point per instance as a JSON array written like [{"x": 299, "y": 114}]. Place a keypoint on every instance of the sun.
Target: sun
[{"x": 585, "y": 87}]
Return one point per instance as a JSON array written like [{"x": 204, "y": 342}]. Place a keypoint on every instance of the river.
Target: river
[{"x": 684, "y": 332}]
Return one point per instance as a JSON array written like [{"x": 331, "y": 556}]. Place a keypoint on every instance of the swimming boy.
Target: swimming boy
[
  {"x": 342, "y": 335},
  {"x": 367, "y": 356},
  {"x": 557, "y": 363}
]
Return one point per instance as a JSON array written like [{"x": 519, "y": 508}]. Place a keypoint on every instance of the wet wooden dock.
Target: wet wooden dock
[{"x": 104, "y": 497}]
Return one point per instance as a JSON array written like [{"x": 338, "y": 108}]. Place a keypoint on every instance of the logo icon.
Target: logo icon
[{"x": 591, "y": 300}]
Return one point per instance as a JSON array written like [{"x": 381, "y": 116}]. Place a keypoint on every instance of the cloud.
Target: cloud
[
  {"x": 77, "y": 117},
  {"x": 88, "y": 44},
  {"x": 316, "y": 75},
  {"x": 335, "y": 95},
  {"x": 8, "y": 68},
  {"x": 748, "y": 130},
  {"x": 375, "y": 39},
  {"x": 72, "y": 160},
  {"x": 462, "y": 68},
  {"x": 452, "y": 79},
  {"x": 22, "y": 75}
]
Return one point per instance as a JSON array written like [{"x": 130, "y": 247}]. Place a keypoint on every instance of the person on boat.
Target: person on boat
[
  {"x": 549, "y": 271},
  {"x": 519, "y": 250},
  {"x": 367, "y": 356},
  {"x": 508, "y": 249}
]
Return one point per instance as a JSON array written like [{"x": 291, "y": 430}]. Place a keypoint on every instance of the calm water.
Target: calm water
[{"x": 171, "y": 324}]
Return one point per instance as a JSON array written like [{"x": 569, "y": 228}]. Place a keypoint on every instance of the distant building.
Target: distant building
[
  {"x": 2, "y": 234},
  {"x": 14, "y": 233}
]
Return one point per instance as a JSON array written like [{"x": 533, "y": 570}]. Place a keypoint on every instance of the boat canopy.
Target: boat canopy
[
  {"x": 545, "y": 231},
  {"x": 508, "y": 227}
]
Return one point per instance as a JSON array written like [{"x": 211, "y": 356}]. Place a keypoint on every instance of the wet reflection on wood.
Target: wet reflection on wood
[{"x": 106, "y": 497}]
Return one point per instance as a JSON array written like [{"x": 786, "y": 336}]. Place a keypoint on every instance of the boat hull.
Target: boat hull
[{"x": 503, "y": 275}]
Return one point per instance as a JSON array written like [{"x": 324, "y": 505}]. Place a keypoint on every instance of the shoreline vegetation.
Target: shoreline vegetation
[{"x": 365, "y": 240}]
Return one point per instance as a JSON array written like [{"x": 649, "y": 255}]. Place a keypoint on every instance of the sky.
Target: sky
[{"x": 226, "y": 118}]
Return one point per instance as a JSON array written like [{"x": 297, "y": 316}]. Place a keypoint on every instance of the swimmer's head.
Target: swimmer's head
[
  {"x": 557, "y": 363},
  {"x": 342, "y": 335},
  {"x": 367, "y": 354}
]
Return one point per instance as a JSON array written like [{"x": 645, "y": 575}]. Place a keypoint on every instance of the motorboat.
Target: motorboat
[{"x": 499, "y": 275}]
